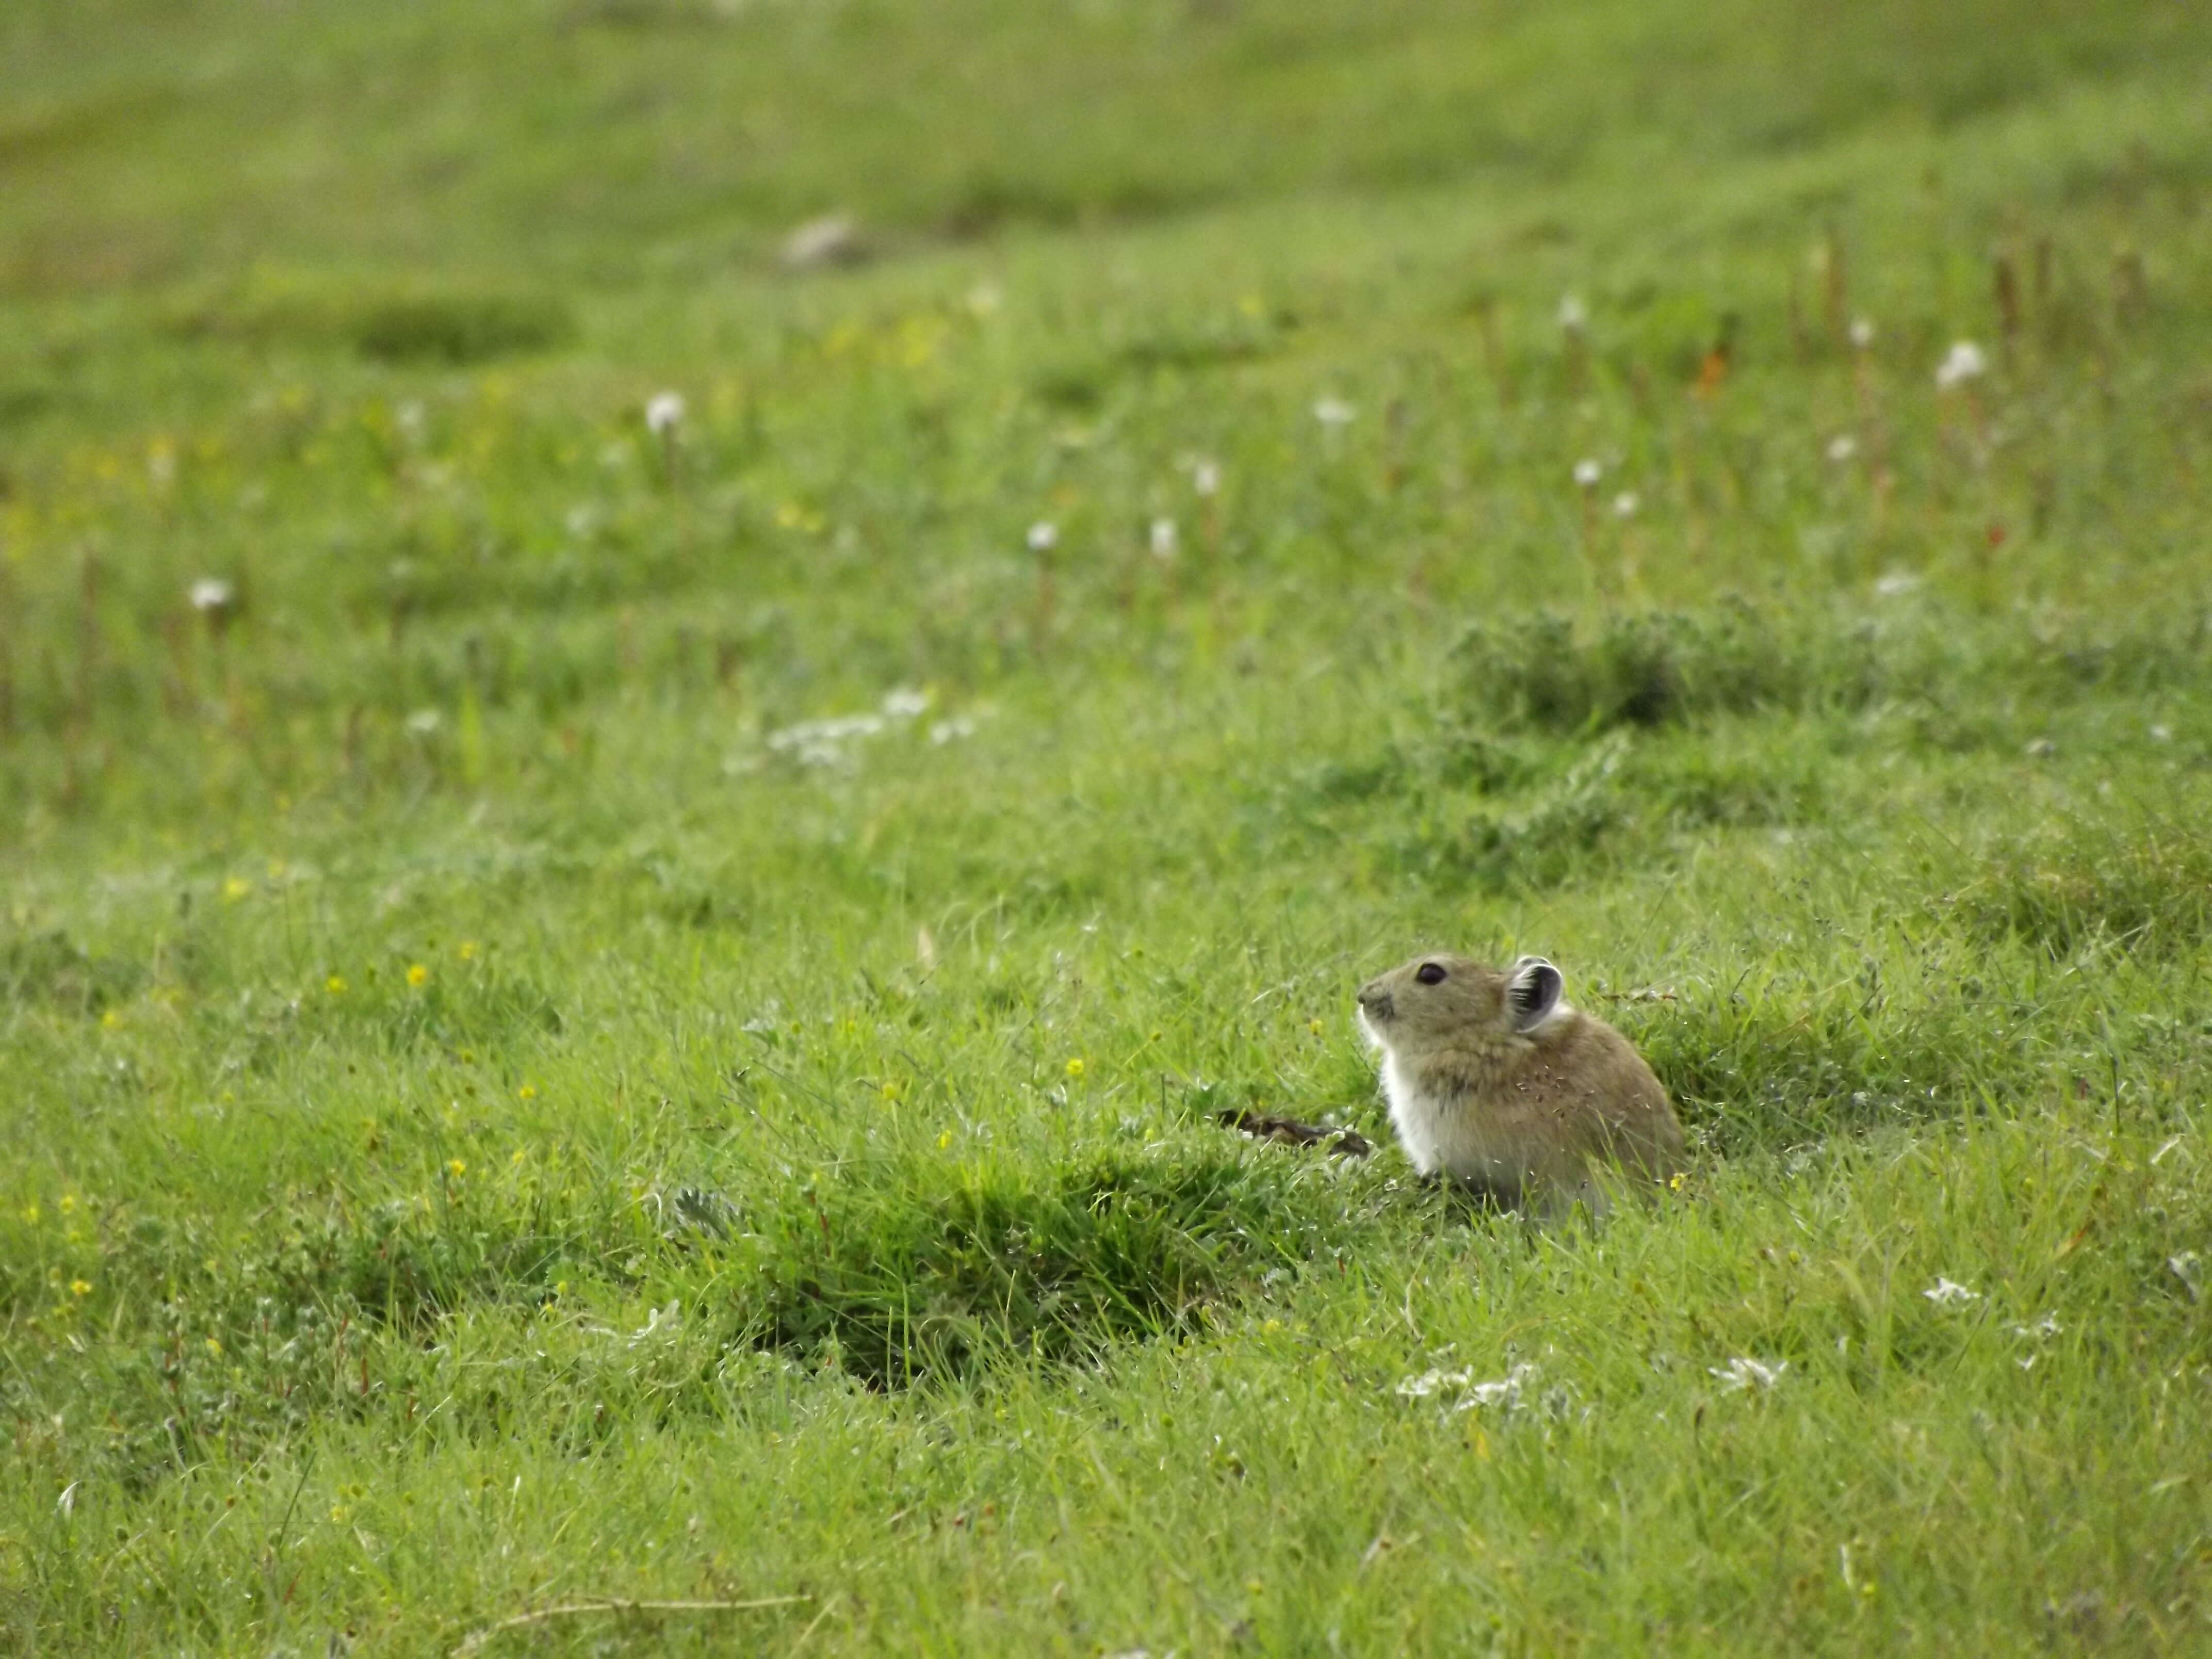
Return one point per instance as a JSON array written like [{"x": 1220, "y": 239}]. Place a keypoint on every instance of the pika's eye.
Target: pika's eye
[{"x": 1430, "y": 973}]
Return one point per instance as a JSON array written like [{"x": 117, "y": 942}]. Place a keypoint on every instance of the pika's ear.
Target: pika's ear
[{"x": 1533, "y": 993}]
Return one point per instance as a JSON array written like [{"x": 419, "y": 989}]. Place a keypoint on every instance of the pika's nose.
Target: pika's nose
[{"x": 1375, "y": 1001}]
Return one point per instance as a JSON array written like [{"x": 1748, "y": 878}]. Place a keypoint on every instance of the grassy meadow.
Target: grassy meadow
[{"x": 611, "y": 1030}]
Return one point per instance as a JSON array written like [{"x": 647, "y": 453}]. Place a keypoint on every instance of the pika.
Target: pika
[{"x": 1496, "y": 1082}]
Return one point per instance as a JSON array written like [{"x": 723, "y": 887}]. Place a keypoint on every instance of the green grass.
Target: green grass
[{"x": 508, "y": 1109}]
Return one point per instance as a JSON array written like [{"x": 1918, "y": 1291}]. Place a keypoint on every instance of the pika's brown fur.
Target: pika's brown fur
[{"x": 1496, "y": 1082}]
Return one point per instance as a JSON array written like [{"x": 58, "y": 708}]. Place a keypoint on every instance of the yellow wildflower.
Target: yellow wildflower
[
  {"x": 80, "y": 1287},
  {"x": 236, "y": 888},
  {"x": 527, "y": 1092},
  {"x": 457, "y": 1167},
  {"x": 1075, "y": 1067},
  {"x": 417, "y": 975},
  {"x": 468, "y": 950},
  {"x": 335, "y": 985}
]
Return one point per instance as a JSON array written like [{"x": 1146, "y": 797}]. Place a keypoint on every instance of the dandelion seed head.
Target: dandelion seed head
[
  {"x": 211, "y": 594},
  {"x": 663, "y": 412},
  {"x": 1588, "y": 471},
  {"x": 1333, "y": 413},
  {"x": 1043, "y": 536},
  {"x": 1945, "y": 1293},
  {"x": 1862, "y": 332},
  {"x": 1162, "y": 538},
  {"x": 1964, "y": 361},
  {"x": 1574, "y": 315},
  {"x": 1206, "y": 477},
  {"x": 1842, "y": 447},
  {"x": 1749, "y": 1376},
  {"x": 1626, "y": 503}
]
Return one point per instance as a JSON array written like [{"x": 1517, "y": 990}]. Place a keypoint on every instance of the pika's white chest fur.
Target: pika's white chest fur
[{"x": 1451, "y": 1133}]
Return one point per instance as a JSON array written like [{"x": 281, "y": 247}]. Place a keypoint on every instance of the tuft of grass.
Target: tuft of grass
[
  {"x": 1660, "y": 668},
  {"x": 2131, "y": 884},
  {"x": 905, "y": 1276},
  {"x": 460, "y": 329}
]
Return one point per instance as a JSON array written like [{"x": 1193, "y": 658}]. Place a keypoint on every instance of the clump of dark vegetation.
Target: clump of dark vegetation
[
  {"x": 1541, "y": 817},
  {"x": 1657, "y": 668},
  {"x": 460, "y": 329},
  {"x": 2138, "y": 882},
  {"x": 1768, "y": 1066},
  {"x": 452, "y": 329},
  {"x": 919, "y": 1276},
  {"x": 53, "y": 970},
  {"x": 1661, "y": 667}
]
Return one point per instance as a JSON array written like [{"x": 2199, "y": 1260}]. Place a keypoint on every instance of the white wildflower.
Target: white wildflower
[
  {"x": 664, "y": 411},
  {"x": 1895, "y": 584},
  {"x": 1505, "y": 1391},
  {"x": 2161, "y": 734},
  {"x": 1862, "y": 332},
  {"x": 2046, "y": 1326},
  {"x": 1842, "y": 447},
  {"x": 1626, "y": 503},
  {"x": 658, "y": 1322},
  {"x": 905, "y": 702},
  {"x": 944, "y": 731},
  {"x": 1964, "y": 362},
  {"x": 2184, "y": 1267},
  {"x": 824, "y": 742},
  {"x": 1751, "y": 1376},
  {"x": 1574, "y": 315},
  {"x": 424, "y": 722},
  {"x": 1588, "y": 471},
  {"x": 1945, "y": 1294},
  {"x": 1163, "y": 538},
  {"x": 1206, "y": 477},
  {"x": 1043, "y": 536},
  {"x": 212, "y": 593},
  {"x": 1333, "y": 413},
  {"x": 1431, "y": 1382}
]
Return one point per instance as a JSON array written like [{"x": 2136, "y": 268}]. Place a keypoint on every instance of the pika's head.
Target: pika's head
[{"x": 1439, "y": 1001}]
